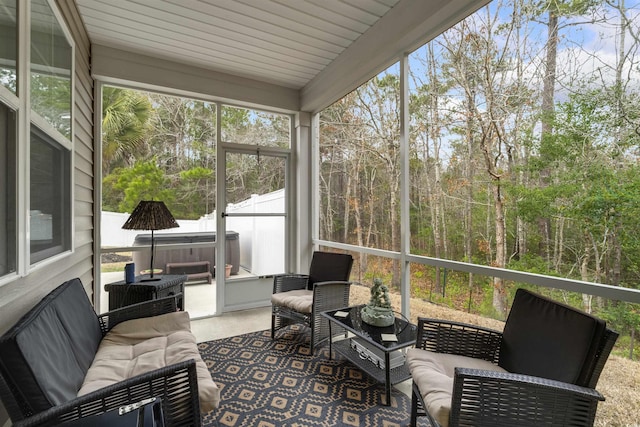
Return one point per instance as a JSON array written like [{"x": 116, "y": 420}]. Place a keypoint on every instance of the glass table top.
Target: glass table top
[{"x": 350, "y": 319}]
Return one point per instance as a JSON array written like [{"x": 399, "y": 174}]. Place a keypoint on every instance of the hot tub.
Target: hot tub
[{"x": 186, "y": 254}]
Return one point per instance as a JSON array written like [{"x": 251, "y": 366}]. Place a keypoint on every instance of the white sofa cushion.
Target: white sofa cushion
[
  {"x": 141, "y": 345},
  {"x": 300, "y": 300},
  {"x": 433, "y": 373}
]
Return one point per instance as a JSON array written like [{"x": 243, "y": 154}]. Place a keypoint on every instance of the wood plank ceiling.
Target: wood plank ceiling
[{"x": 283, "y": 42}]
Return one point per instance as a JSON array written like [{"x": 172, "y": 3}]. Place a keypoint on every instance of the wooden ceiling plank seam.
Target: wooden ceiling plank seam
[
  {"x": 247, "y": 22},
  {"x": 338, "y": 6},
  {"x": 170, "y": 21},
  {"x": 201, "y": 60},
  {"x": 233, "y": 63},
  {"x": 311, "y": 15},
  {"x": 190, "y": 17},
  {"x": 368, "y": 6},
  {"x": 174, "y": 10},
  {"x": 274, "y": 79},
  {"x": 388, "y": 3},
  {"x": 299, "y": 63}
]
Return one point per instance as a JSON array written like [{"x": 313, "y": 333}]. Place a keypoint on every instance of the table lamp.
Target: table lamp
[{"x": 150, "y": 215}]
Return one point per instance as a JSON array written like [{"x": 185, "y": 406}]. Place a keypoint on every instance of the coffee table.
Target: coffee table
[{"x": 373, "y": 337}]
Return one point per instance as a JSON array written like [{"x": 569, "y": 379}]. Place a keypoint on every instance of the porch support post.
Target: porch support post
[
  {"x": 301, "y": 225},
  {"x": 405, "y": 235}
]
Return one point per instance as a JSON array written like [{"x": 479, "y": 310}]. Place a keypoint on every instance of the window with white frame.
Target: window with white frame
[
  {"x": 49, "y": 148},
  {"x": 35, "y": 130},
  {"x": 50, "y": 201},
  {"x": 8, "y": 135},
  {"x": 8, "y": 240},
  {"x": 9, "y": 45}
]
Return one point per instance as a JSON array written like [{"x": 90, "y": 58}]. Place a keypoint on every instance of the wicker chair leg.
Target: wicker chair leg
[
  {"x": 414, "y": 409},
  {"x": 311, "y": 345},
  {"x": 418, "y": 408},
  {"x": 273, "y": 325}
]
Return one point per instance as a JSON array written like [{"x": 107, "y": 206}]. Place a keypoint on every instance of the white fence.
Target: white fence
[{"x": 262, "y": 239}]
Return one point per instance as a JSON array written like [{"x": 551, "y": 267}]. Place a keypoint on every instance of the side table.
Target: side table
[{"x": 122, "y": 294}]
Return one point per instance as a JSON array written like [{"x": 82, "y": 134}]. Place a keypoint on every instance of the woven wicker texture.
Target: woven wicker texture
[
  {"x": 176, "y": 385},
  {"x": 487, "y": 398},
  {"x": 331, "y": 293}
]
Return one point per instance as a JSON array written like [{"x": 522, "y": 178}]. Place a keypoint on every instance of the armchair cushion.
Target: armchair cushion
[
  {"x": 329, "y": 266},
  {"x": 50, "y": 349},
  {"x": 433, "y": 374},
  {"x": 547, "y": 339},
  {"x": 300, "y": 300},
  {"x": 142, "y": 345}
]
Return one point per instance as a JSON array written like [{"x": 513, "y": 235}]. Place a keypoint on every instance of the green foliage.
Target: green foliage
[
  {"x": 51, "y": 98},
  {"x": 531, "y": 263},
  {"x": 8, "y": 79},
  {"x": 125, "y": 114},
  {"x": 196, "y": 196},
  {"x": 235, "y": 121},
  {"x": 144, "y": 181},
  {"x": 111, "y": 195},
  {"x": 164, "y": 147},
  {"x": 197, "y": 174},
  {"x": 623, "y": 317}
]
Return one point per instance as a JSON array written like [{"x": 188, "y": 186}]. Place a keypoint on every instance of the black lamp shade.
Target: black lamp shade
[{"x": 150, "y": 215}]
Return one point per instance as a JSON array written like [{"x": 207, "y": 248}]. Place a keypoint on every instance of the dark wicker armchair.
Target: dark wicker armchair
[
  {"x": 300, "y": 298},
  {"x": 540, "y": 371}
]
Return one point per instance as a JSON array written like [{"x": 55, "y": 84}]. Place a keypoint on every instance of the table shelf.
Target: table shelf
[{"x": 396, "y": 375}]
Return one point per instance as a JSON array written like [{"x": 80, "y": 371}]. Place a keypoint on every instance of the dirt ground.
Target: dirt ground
[{"x": 619, "y": 382}]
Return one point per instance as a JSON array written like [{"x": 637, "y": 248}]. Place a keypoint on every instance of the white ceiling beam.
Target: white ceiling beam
[{"x": 116, "y": 66}]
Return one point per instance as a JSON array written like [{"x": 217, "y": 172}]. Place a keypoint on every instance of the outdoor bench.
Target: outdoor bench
[{"x": 61, "y": 361}]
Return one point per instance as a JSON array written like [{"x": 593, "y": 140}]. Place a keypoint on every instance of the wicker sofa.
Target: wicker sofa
[{"x": 61, "y": 361}]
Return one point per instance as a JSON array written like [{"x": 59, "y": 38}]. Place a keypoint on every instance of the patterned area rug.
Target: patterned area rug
[{"x": 278, "y": 382}]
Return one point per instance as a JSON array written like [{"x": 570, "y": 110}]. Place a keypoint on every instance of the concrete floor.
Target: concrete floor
[{"x": 231, "y": 324}]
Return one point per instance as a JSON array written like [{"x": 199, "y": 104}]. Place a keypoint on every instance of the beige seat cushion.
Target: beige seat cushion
[
  {"x": 433, "y": 374},
  {"x": 300, "y": 300},
  {"x": 142, "y": 345}
]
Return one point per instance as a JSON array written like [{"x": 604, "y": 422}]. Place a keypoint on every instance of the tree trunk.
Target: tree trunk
[
  {"x": 434, "y": 131},
  {"x": 468, "y": 206},
  {"x": 548, "y": 93},
  {"x": 347, "y": 204},
  {"x": 486, "y": 144},
  {"x": 584, "y": 273},
  {"x": 499, "y": 290},
  {"x": 558, "y": 247}
]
